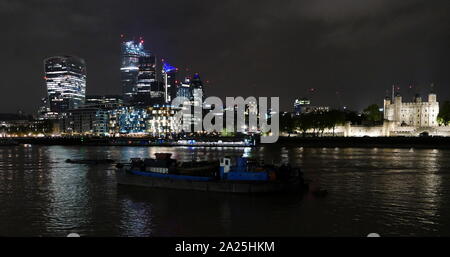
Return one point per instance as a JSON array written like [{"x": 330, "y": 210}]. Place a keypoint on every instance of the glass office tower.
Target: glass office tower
[
  {"x": 65, "y": 78},
  {"x": 169, "y": 78},
  {"x": 146, "y": 74},
  {"x": 131, "y": 53}
]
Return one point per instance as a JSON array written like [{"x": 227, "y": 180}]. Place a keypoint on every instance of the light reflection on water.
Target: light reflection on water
[{"x": 387, "y": 191}]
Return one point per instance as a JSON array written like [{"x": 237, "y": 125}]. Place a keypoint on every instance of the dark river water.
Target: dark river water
[{"x": 393, "y": 192}]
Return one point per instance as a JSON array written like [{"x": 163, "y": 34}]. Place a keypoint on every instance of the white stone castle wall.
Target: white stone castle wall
[
  {"x": 419, "y": 114},
  {"x": 387, "y": 129}
]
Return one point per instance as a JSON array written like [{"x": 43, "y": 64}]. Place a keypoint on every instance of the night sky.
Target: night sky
[{"x": 349, "y": 51}]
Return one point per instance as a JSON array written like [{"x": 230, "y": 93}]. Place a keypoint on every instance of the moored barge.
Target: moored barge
[{"x": 240, "y": 175}]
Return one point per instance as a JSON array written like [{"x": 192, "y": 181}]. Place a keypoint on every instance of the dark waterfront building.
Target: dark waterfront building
[
  {"x": 303, "y": 105},
  {"x": 44, "y": 108},
  {"x": 149, "y": 89},
  {"x": 157, "y": 93},
  {"x": 100, "y": 100},
  {"x": 25, "y": 125},
  {"x": 185, "y": 90},
  {"x": 85, "y": 121},
  {"x": 146, "y": 75},
  {"x": 131, "y": 53},
  {"x": 300, "y": 105},
  {"x": 65, "y": 78},
  {"x": 197, "y": 84},
  {"x": 191, "y": 87}
]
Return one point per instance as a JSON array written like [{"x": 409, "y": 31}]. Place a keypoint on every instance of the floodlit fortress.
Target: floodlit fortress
[
  {"x": 416, "y": 114},
  {"x": 400, "y": 119}
]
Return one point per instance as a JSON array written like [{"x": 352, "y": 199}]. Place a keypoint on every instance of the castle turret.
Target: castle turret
[
  {"x": 397, "y": 107},
  {"x": 432, "y": 97},
  {"x": 433, "y": 109},
  {"x": 386, "y": 107},
  {"x": 398, "y": 99}
]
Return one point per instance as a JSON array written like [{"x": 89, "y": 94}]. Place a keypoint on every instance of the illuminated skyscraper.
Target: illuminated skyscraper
[
  {"x": 184, "y": 90},
  {"x": 146, "y": 75},
  {"x": 149, "y": 90},
  {"x": 131, "y": 53},
  {"x": 197, "y": 85},
  {"x": 169, "y": 78},
  {"x": 66, "y": 82},
  {"x": 190, "y": 85}
]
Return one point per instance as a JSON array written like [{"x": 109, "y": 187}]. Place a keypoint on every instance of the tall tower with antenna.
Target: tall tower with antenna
[{"x": 132, "y": 51}]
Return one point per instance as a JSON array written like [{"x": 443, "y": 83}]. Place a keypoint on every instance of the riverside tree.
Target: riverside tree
[
  {"x": 318, "y": 122},
  {"x": 287, "y": 123},
  {"x": 444, "y": 114},
  {"x": 373, "y": 114}
]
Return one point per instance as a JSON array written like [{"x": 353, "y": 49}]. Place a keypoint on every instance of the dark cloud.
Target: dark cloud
[{"x": 263, "y": 48}]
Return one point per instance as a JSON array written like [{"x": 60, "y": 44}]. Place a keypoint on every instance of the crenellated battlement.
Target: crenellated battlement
[{"x": 416, "y": 113}]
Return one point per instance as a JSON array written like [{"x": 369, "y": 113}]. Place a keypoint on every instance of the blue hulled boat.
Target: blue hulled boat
[{"x": 240, "y": 175}]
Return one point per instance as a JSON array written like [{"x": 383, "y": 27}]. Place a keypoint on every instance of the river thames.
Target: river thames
[{"x": 392, "y": 192}]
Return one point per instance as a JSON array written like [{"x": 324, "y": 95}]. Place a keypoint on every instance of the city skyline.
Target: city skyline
[
  {"x": 354, "y": 73},
  {"x": 231, "y": 127},
  {"x": 146, "y": 81}
]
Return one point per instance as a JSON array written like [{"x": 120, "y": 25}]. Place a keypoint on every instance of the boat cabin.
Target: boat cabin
[{"x": 243, "y": 170}]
